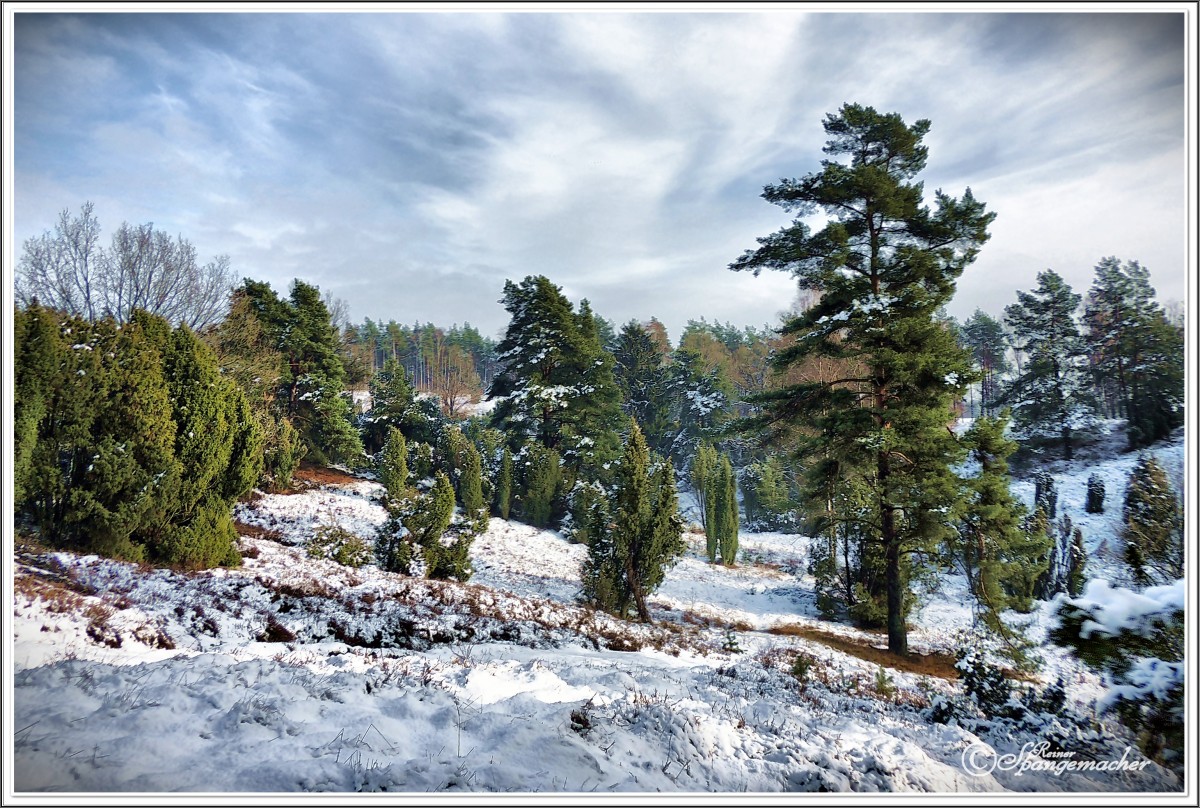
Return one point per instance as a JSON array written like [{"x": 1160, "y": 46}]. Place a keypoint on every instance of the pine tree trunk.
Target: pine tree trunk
[{"x": 897, "y": 632}]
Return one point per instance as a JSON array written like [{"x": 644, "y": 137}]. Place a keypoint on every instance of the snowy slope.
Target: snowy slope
[{"x": 295, "y": 675}]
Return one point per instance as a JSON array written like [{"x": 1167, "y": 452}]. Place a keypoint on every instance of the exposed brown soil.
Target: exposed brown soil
[{"x": 939, "y": 665}]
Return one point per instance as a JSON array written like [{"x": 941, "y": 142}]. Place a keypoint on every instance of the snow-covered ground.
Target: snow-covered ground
[{"x": 293, "y": 675}]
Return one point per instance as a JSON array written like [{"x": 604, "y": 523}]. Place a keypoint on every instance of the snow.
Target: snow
[
  {"x": 293, "y": 674},
  {"x": 1115, "y": 610}
]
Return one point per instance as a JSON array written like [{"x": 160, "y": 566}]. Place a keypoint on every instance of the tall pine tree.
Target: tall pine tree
[
  {"x": 1136, "y": 354},
  {"x": 883, "y": 263},
  {"x": 1051, "y": 397}
]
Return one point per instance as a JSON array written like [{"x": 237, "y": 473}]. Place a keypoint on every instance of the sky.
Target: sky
[{"x": 409, "y": 163}]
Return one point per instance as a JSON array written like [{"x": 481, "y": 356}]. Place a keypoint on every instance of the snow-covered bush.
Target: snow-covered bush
[
  {"x": 339, "y": 544},
  {"x": 1136, "y": 639}
]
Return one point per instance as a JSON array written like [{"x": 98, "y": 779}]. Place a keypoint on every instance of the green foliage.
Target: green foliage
[
  {"x": 590, "y": 512},
  {"x": 450, "y": 560},
  {"x": 36, "y": 352},
  {"x": 428, "y": 515},
  {"x": 283, "y": 450},
  {"x": 393, "y": 406},
  {"x": 312, "y": 378},
  {"x": 467, "y": 462},
  {"x": 1152, "y": 529},
  {"x": 1138, "y": 642},
  {"x": 725, "y": 519},
  {"x": 983, "y": 683},
  {"x": 1051, "y": 396},
  {"x": 627, "y": 560},
  {"x": 541, "y": 478},
  {"x": 1136, "y": 354},
  {"x": 140, "y": 446},
  {"x": 984, "y": 336},
  {"x": 504, "y": 484},
  {"x": 884, "y": 265},
  {"x": 641, "y": 377},
  {"x": 1002, "y": 559},
  {"x": 766, "y": 495},
  {"x": 393, "y": 464},
  {"x": 339, "y": 544},
  {"x": 802, "y": 665},
  {"x": 393, "y": 550},
  {"x": 702, "y": 477},
  {"x": 555, "y": 386}
]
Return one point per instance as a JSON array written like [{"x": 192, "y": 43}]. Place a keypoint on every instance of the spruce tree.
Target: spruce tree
[
  {"x": 1151, "y": 530},
  {"x": 884, "y": 264},
  {"x": 1051, "y": 396}
]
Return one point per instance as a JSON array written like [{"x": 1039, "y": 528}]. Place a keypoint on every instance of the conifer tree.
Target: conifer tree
[
  {"x": 1151, "y": 531},
  {"x": 766, "y": 495},
  {"x": 393, "y": 465},
  {"x": 1051, "y": 396},
  {"x": 984, "y": 336},
  {"x": 728, "y": 513},
  {"x": 36, "y": 356},
  {"x": 703, "y": 465},
  {"x": 430, "y": 514},
  {"x": 106, "y": 447},
  {"x": 1136, "y": 354},
  {"x": 470, "y": 481},
  {"x": 628, "y": 562},
  {"x": 393, "y": 405},
  {"x": 504, "y": 483},
  {"x": 1095, "y": 494},
  {"x": 313, "y": 378},
  {"x": 642, "y": 379},
  {"x": 541, "y": 480},
  {"x": 1001, "y": 558},
  {"x": 884, "y": 264},
  {"x": 1138, "y": 641},
  {"x": 218, "y": 449},
  {"x": 555, "y": 385}
]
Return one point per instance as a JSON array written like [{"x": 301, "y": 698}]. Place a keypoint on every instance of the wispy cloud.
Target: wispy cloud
[{"x": 411, "y": 162}]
